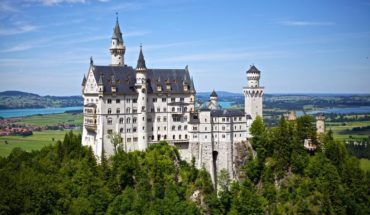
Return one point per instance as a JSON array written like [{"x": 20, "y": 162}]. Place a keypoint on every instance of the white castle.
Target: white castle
[{"x": 145, "y": 106}]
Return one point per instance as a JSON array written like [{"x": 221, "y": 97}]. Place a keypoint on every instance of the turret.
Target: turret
[
  {"x": 141, "y": 88},
  {"x": 253, "y": 93},
  {"x": 117, "y": 48},
  {"x": 213, "y": 98},
  {"x": 320, "y": 124}
]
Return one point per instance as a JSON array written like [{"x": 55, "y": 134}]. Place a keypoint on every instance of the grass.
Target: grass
[
  {"x": 339, "y": 130},
  {"x": 38, "y": 140},
  {"x": 365, "y": 164},
  {"x": 52, "y": 119}
]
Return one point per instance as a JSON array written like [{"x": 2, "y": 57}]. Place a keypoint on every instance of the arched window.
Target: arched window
[
  {"x": 179, "y": 127},
  {"x": 118, "y": 111},
  {"x": 121, "y": 120},
  {"x": 128, "y": 110},
  {"x": 173, "y": 109},
  {"x": 128, "y": 120},
  {"x": 109, "y": 111},
  {"x": 109, "y": 121},
  {"x": 121, "y": 130},
  {"x": 173, "y": 128},
  {"x": 185, "y": 109},
  {"x": 134, "y": 120},
  {"x": 185, "y": 127}
]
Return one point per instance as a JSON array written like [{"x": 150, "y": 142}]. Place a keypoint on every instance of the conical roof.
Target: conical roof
[
  {"x": 213, "y": 94},
  {"x": 141, "y": 60},
  {"x": 117, "y": 32},
  {"x": 253, "y": 69},
  {"x": 84, "y": 81}
]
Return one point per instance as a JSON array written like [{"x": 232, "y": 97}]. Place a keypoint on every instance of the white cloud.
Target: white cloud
[
  {"x": 19, "y": 29},
  {"x": 305, "y": 23},
  {"x": 7, "y": 7}
]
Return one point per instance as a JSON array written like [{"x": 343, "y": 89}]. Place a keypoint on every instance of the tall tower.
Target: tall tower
[
  {"x": 117, "y": 48},
  {"x": 141, "y": 88},
  {"x": 253, "y": 93}
]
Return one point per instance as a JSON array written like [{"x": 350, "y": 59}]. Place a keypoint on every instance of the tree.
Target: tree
[{"x": 116, "y": 140}]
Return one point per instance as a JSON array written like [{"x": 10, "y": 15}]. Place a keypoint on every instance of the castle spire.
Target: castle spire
[
  {"x": 117, "y": 48},
  {"x": 141, "y": 61}
]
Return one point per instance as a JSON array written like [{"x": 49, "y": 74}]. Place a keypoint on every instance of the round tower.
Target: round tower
[
  {"x": 253, "y": 93},
  {"x": 117, "y": 48},
  {"x": 320, "y": 124},
  {"x": 141, "y": 88},
  {"x": 213, "y": 98}
]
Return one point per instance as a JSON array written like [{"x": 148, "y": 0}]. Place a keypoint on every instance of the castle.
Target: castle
[{"x": 145, "y": 106}]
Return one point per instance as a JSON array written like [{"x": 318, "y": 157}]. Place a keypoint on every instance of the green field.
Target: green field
[
  {"x": 338, "y": 129},
  {"x": 52, "y": 119},
  {"x": 34, "y": 142},
  {"x": 365, "y": 164}
]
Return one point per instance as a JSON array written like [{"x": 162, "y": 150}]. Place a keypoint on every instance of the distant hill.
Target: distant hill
[{"x": 19, "y": 99}]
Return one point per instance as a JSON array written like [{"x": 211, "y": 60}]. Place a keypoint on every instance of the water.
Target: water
[
  {"x": 225, "y": 104},
  {"x": 8, "y": 113},
  {"x": 356, "y": 110}
]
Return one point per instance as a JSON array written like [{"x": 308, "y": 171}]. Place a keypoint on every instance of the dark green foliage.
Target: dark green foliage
[{"x": 283, "y": 179}]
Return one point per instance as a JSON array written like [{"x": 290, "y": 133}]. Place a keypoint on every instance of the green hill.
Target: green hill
[{"x": 18, "y": 99}]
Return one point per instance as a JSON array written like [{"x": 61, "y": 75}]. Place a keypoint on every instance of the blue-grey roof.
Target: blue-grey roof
[
  {"x": 125, "y": 78},
  {"x": 213, "y": 94},
  {"x": 141, "y": 60},
  {"x": 227, "y": 113},
  {"x": 117, "y": 32},
  {"x": 253, "y": 69}
]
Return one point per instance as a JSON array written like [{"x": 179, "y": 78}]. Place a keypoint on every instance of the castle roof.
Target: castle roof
[
  {"x": 227, "y": 113},
  {"x": 125, "y": 79},
  {"x": 253, "y": 69},
  {"x": 84, "y": 81},
  {"x": 117, "y": 32},
  {"x": 213, "y": 94},
  {"x": 141, "y": 60}
]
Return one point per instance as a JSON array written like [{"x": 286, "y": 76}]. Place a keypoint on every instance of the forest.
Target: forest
[{"x": 283, "y": 178}]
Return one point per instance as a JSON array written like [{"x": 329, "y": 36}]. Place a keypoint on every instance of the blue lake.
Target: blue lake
[
  {"x": 225, "y": 104},
  {"x": 8, "y": 113},
  {"x": 355, "y": 110}
]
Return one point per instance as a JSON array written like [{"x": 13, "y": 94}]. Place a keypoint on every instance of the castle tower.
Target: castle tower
[
  {"x": 253, "y": 93},
  {"x": 117, "y": 48},
  {"x": 141, "y": 88},
  {"x": 320, "y": 124},
  {"x": 213, "y": 98}
]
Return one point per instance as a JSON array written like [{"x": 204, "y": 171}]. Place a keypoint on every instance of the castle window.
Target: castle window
[
  {"x": 173, "y": 128},
  {"x": 128, "y": 140},
  {"x": 223, "y": 119},
  {"x": 128, "y": 120},
  {"x": 143, "y": 128},
  {"x": 165, "y": 137},
  {"x": 152, "y": 129},
  {"x": 135, "y": 139},
  {"x": 185, "y": 127},
  {"x": 185, "y": 109},
  {"x": 152, "y": 137},
  {"x": 195, "y": 128},
  {"x": 121, "y": 130},
  {"x": 205, "y": 128},
  {"x": 128, "y": 100},
  {"x": 173, "y": 99},
  {"x": 109, "y": 111},
  {"x": 205, "y": 136},
  {"x": 163, "y": 99},
  {"x": 134, "y": 120},
  {"x": 179, "y": 127},
  {"x": 158, "y": 109},
  {"x": 109, "y": 101},
  {"x": 142, "y": 108},
  {"x": 154, "y": 99},
  {"x": 223, "y": 128},
  {"x": 152, "y": 110},
  {"x": 158, "y": 137},
  {"x": 178, "y": 109},
  {"x": 185, "y": 118},
  {"x": 118, "y": 111},
  {"x": 164, "y": 119},
  {"x": 173, "y": 109},
  {"x": 164, "y": 109},
  {"x": 158, "y": 119},
  {"x": 173, "y": 137},
  {"x": 180, "y": 136},
  {"x": 186, "y": 136},
  {"x": 165, "y": 128},
  {"x": 109, "y": 131},
  {"x": 223, "y": 136},
  {"x": 134, "y": 110},
  {"x": 205, "y": 120},
  {"x": 120, "y": 120},
  {"x": 128, "y": 110},
  {"x": 181, "y": 99},
  {"x": 128, "y": 130},
  {"x": 134, "y": 100},
  {"x": 134, "y": 129},
  {"x": 118, "y": 101},
  {"x": 159, "y": 128}
]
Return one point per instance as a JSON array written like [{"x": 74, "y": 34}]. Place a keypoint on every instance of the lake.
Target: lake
[
  {"x": 355, "y": 110},
  {"x": 8, "y": 113},
  {"x": 225, "y": 104}
]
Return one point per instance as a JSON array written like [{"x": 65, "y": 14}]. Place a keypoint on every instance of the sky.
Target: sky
[{"x": 300, "y": 46}]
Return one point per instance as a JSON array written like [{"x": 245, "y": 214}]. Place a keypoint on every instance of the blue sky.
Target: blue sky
[{"x": 311, "y": 46}]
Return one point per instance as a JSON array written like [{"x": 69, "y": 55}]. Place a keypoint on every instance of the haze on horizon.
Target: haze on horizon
[{"x": 300, "y": 46}]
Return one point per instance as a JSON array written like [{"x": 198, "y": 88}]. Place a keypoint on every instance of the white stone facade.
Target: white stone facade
[{"x": 145, "y": 106}]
